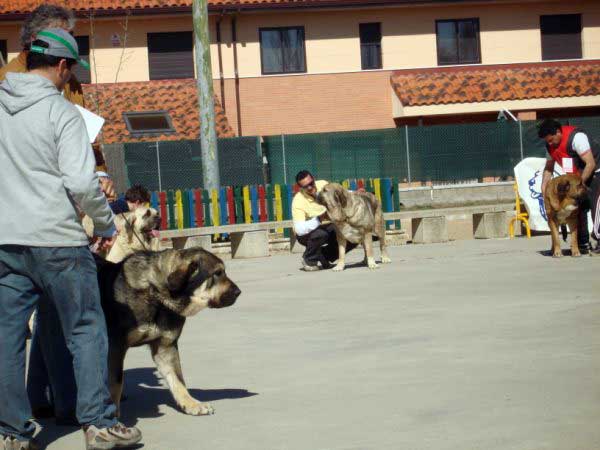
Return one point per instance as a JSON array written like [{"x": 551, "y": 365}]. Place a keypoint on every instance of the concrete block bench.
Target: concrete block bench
[
  {"x": 490, "y": 225},
  {"x": 429, "y": 230},
  {"x": 251, "y": 240},
  {"x": 248, "y": 240}
]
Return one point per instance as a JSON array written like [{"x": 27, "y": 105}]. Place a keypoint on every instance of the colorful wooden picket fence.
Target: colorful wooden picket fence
[{"x": 229, "y": 205}]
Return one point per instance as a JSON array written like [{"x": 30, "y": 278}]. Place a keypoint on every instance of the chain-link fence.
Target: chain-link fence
[
  {"x": 436, "y": 154},
  {"x": 178, "y": 164}
]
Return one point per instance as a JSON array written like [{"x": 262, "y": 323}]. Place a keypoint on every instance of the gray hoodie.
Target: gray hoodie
[{"x": 46, "y": 168}]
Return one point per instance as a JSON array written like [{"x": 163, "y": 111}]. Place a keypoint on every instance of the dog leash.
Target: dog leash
[{"x": 134, "y": 233}]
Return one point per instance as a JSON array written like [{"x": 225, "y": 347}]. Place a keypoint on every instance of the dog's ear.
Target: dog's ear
[
  {"x": 178, "y": 279},
  {"x": 553, "y": 199},
  {"x": 148, "y": 213},
  {"x": 340, "y": 197}
]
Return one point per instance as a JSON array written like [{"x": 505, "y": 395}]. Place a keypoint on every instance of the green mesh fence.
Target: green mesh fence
[
  {"x": 437, "y": 154},
  {"x": 338, "y": 156},
  {"x": 178, "y": 164}
]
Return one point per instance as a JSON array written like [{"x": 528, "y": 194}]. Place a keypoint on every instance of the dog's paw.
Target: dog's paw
[
  {"x": 576, "y": 254},
  {"x": 339, "y": 267},
  {"x": 196, "y": 408},
  {"x": 385, "y": 260},
  {"x": 557, "y": 254},
  {"x": 372, "y": 264}
]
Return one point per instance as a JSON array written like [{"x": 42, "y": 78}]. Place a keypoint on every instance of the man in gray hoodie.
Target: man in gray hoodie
[{"x": 46, "y": 172}]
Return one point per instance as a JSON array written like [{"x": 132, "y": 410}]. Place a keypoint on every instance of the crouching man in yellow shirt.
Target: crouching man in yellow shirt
[{"x": 311, "y": 225}]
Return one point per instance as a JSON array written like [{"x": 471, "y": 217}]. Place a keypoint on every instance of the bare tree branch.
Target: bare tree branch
[{"x": 125, "y": 27}]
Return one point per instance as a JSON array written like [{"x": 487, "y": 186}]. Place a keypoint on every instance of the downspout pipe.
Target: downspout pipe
[
  {"x": 237, "y": 78},
  {"x": 221, "y": 78}
]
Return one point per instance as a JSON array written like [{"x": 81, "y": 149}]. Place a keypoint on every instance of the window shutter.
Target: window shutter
[{"x": 170, "y": 55}]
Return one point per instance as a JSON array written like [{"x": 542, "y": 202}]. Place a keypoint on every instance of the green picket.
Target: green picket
[{"x": 171, "y": 207}]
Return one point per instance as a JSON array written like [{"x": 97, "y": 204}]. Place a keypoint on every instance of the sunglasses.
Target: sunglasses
[{"x": 309, "y": 185}]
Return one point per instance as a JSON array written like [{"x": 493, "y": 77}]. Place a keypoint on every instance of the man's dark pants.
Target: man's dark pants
[
  {"x": 63, "y": 277},
  {"x": 590, "y": 202},
  {"x": 321, "y": 246},
  {"x": 55, "y": 388},
  {"x": 594, "y": 197}
]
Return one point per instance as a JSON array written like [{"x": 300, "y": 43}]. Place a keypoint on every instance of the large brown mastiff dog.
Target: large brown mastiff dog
[
  {"x": 561, "y": 200},
  {"x": 356, "y": 217}
]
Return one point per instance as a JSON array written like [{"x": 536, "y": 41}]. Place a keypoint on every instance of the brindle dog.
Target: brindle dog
[
  {"x": 356, "y": 217},
  {"x": 146, "y": 299}
]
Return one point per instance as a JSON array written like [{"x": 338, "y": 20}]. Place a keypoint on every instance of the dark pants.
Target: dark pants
[
  {"x": 583, "y": 233},
  {"x": 321, "y": 246},
  {"x": 594, "y": 195},
  {"x": 591, "y": 202},
  {"x": 66, "y": 279},
  {"x": 50, "y": 377}
]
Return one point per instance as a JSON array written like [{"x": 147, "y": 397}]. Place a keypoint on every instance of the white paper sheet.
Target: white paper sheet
[{"x": 93, "y": 122}]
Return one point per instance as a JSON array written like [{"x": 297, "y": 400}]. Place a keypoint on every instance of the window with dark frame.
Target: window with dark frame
[
  {"x": 561, "y": 36},
  {"x": 3, "y": 52},
  {"x": 282, "y": 50},
  {"x": 458, "y": 41},
  {"x": 171, "y": 55},
  {"x": 83, "y": 75},
  {"x": 148, "y": 122},
  {"x": 370, "y": 45}
]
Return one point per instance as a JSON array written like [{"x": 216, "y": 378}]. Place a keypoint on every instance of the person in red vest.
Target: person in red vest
[{"x": 570, "y": 148}]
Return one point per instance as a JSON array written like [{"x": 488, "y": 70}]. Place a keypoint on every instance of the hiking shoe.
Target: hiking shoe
[
  {"x": 117, "y": 436},
  {"x": 10, "y": 443}
]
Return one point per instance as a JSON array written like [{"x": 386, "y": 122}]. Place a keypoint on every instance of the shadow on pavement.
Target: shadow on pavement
[{"x": 145, "y": 393}]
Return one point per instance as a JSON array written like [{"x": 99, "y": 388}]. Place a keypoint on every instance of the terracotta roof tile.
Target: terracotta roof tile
[
  {"x": 475, "y": 84},
  {"x": 178, "y": 97},
  {"x": 19, "y": 7}
]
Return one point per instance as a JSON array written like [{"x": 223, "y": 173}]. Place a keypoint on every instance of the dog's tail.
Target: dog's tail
[{"x": 563, "y": 230}]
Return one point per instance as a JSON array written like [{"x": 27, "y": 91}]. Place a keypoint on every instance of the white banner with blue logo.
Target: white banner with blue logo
[{"x": 528, "y": 174}]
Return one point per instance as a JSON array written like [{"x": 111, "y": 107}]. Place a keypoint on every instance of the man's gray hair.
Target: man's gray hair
[{"x": 44, "y": 16}]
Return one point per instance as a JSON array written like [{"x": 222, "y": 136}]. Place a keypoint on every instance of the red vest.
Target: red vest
[{"x": 564, "y": 150}]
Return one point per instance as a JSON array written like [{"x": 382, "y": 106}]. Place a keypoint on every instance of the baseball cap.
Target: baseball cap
[{"x": 60, "y": 44}]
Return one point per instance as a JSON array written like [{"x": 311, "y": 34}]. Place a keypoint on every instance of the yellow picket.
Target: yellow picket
[
  {"x": 377, "y": 186},
  {"x": 247, "y": 205},
  {"x": 179, "y": 209},
  {"x": 278, "y": 206}
]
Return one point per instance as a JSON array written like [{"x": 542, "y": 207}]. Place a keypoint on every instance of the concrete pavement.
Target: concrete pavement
[{"x": 469, "y": 345}]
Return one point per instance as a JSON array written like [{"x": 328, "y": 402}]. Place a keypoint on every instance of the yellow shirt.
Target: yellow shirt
[{"x": 305, "y": 207}]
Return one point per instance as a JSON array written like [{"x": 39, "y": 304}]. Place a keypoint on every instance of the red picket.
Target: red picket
[
  {"x": 262, "y": 203},
  {"x": 162, "y": 196},
  {"x": 230, "y": 206},
  {"x": 198, "y": 207},
  {"x": 360, "y": 183}
]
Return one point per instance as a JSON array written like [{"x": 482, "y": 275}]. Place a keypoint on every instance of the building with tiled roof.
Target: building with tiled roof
[
  {"x": 299, "y": 66},
  {"x": 178, "y": 98}
]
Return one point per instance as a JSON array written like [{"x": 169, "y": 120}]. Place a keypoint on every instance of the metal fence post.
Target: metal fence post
[
  {"x": 158, "y": 167},
  {"x": 284, "y": 162},
  {"x": 408, "y": 155},
  {"x": 521, "y": 138}
]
